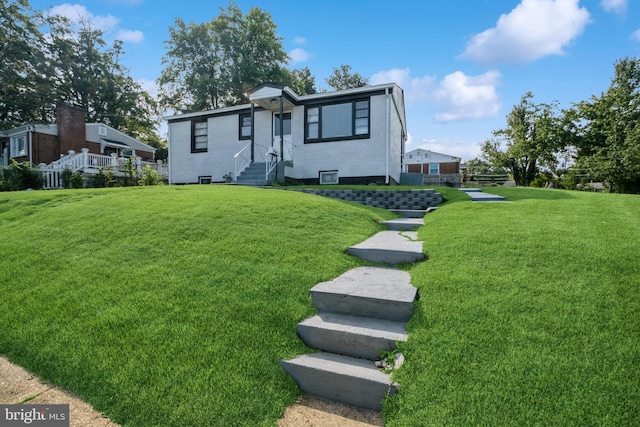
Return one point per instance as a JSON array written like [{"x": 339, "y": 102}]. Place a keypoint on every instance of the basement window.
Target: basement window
[
  {"x": 204, "y": 180},
  {"x": 329, "y": 177}
]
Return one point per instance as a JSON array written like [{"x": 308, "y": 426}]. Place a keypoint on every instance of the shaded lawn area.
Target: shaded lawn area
[
  {"x": 169, "y": 306},
  {"x": 529, "y": 314}
]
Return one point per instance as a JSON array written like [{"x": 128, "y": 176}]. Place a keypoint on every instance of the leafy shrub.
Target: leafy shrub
[
  {"x": 20, "y": 176},
  {"x": 72, "y": 179},
  {"x": 104, "y": 178},
  {"x": 150, "y": 176}
]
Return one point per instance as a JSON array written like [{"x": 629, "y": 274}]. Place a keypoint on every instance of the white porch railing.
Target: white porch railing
[{"x": 90, "y": 163}]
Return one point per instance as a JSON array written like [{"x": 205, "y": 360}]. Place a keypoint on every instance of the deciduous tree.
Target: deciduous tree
[
  {"x": 211, "y": 65},
  {"x": 531, "y": 140},
  {"x": 342, "y": 78},
  {"x": 609, "y": 130}
]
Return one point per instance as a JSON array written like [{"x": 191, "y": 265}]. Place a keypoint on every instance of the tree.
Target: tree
[
  {"x": 22, "y": 65},
  {"x": 342, "y": 78},
  {"x": 531, "y": 140},
  {"x": 91, "y": 76},
  {"x": 212, "y": 65},
  {"x": 609, "y": 131},
  {"x": 66, "y": 65},
  {"x": 302, "y": 81}
]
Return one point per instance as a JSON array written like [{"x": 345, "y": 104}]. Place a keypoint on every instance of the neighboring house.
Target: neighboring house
[
  {"x": 348, "y": 136},
  {"x": 73, "y": 143},
  {"x": 438, "y": 168},
  {"x": 40, "y": 144}
]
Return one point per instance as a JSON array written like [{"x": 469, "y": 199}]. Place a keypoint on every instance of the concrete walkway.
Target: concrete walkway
[{"x": 477, "y": 195}]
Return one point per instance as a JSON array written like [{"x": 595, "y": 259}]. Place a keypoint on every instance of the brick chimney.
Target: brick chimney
[{"x": 72, "y": 131}]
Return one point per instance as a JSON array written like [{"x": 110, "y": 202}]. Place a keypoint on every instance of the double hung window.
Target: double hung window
[
  {"x": 19, "y": 146},
  {"x": 245, "y": 126},
  {"x": 199, "y": 136}
]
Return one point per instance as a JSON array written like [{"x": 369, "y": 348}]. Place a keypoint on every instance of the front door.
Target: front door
[{"x": 286, "y": 135}]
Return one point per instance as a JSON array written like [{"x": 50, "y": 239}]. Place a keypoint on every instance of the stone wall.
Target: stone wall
[{"x": 385, "y": 199}]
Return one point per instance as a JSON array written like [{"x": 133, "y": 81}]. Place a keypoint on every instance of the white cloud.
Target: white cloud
[
  {"x": 534, "y": 29},
  {"x": 133, "y": 36},
  {"x": 415, "y": 88},
  {"x": 635, "y": 36},
  {"x": 78, "y": 14},
  {"x": 298, "y": 55},
  {"x": 149, "y": 86},
  {"x": 456, "y": 97},
  {"x": 462, "y": 97},
  {"x": 108, "y": 24},
  {"x": 615, "y": 6},
  {"x": 299, "y": 40}
]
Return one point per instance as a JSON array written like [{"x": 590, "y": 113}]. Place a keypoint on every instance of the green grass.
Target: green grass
[
  {"x": 169, "y": 305},
  {"x": 173, "y": 305},
  {"x": 529, "y": 314}
]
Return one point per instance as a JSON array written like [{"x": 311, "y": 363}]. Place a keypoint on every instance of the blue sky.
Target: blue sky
[{"x": 463, "y": 64}]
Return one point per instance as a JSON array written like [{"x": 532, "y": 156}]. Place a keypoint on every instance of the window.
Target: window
[
  {"x": 127, "y": 153},
  {"x": 434, "y": 168},
  {"x": 199, "y": 136},
  {"x": 339, "y": 121},
  {"x": 329, "y": 177},
  {"x": 19, "y": 146},
  {"x": 102, "y": 131},
  {"x": 245, "y": 126},
  {"x": 204, "y": 180},
  {"x": 286, "y": 124}
]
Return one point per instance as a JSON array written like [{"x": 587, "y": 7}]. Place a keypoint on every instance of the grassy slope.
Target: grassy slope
[
  {"x": 529, "y": 314},
  {"x": 173, "y": 306},
  {"x": 169, "y": 305}
]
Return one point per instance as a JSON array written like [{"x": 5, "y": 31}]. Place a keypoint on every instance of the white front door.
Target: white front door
[{"x": 286, "y": 135}]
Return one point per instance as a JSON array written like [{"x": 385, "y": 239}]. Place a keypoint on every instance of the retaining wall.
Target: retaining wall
[{"x": 385, "y": 199}]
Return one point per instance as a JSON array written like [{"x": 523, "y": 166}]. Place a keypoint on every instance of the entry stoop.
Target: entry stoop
[{"x": 345, "y": 379}]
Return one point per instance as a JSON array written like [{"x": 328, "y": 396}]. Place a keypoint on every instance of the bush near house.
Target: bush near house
[{"x": 20, "y": 176}]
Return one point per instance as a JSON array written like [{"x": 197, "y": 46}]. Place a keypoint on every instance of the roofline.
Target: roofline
[{"x": 287, "y": 90}]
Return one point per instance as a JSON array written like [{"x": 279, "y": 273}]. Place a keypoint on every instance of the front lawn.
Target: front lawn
[{"x": 173, "y": 305}]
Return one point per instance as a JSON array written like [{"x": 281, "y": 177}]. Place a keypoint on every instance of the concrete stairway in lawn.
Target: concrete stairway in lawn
[
  {"x": 254, "y": 175},
  {"x": 360, "y": 313}
]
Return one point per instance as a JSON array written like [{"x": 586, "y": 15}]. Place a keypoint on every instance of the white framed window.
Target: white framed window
[
  {"x": 434, "y": 168},
  {"x": 199, "y": 136},
  {"x": 19, "y": 146},
  {"x": 204, "y": 180},
  {"x": 329, "y": 177},
  {"x": 337, "y": 121},
  {"x": 102, "y": 131}
]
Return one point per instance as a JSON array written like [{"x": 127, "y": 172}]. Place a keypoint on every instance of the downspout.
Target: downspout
[
  {"x": 169, "y": 153},
  {"x": 281, "y": 127},
  {"x": 30, "y": 135},
  {"x": 252, "y": 137},
  {"x": 388, "y": 135}
]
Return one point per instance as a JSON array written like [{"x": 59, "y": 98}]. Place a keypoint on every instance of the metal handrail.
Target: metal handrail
[{"x": 241, "y": 161}]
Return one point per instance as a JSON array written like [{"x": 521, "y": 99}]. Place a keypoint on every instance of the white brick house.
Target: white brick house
[{"x": 350, "y": 136}]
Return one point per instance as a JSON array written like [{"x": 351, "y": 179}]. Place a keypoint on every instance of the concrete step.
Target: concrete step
[
  {"x": 355, "y": 336},
  {"x": 383, "y": 293},
  {"x": 404, "y": 224},
  {"x": 345, "y": 379},
  {"x": 390, "y": 247}
]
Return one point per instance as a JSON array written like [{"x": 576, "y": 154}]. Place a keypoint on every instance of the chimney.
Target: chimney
[{"x": 72, "y": 130}]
